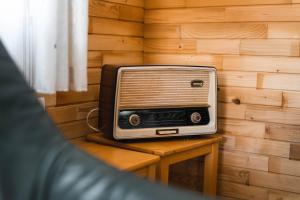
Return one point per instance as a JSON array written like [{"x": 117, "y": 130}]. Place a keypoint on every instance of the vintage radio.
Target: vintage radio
[{"x": 157, "y": 101}]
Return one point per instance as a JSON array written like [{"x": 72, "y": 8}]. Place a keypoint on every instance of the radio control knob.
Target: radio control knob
[
  {"x": 134, "y": 120},
  {"x": 195, "y": 117}
]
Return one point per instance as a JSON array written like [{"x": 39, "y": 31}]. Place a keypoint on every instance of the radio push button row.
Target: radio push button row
[
  {"x": 134, "y": 120},
  {"x": 195, "y": 117}
]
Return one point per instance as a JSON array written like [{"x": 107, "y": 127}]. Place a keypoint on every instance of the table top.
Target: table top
[
  {"x": 159, "y": 146},
  {"x": 117, "y": 157}
]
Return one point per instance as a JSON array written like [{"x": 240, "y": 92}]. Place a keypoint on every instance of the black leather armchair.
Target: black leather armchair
[{"x": 36, "y": 162}]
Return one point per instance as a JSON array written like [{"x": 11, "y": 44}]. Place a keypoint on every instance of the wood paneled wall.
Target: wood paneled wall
[
  {"x": 115, "y": 37},
  {"x": 255, "y": 45}
]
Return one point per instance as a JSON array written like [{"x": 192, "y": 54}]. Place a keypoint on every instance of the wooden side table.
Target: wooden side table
[
  {"x": 141, "y": 164},
  {"x": 175, "y": 150}
]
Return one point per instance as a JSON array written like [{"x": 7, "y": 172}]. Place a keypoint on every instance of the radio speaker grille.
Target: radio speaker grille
[{"x": 162, "y": 88}]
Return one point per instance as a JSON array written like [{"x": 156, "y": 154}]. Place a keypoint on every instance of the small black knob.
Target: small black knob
[
  {"x": 134, "y": 120},
  {"x": 195, "y": 117}
]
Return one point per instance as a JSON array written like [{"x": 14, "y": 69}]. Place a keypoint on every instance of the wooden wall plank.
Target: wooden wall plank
[
  {"x": 291, "y": 99},
  {"x": 123, "y": 58},
  {"x": 50, "y": 99},
  {"x": 94, "y": 75},
  {"x": 263, "y": 13},
  {"x": 155, "y": 4},
  {"x": 279, "y": 47},
  {"x": 162, "y": 31},
  {"x": 228, "y": 142},
  {"x": 218, "y": 46},
  {"x": 279, "y": 81},
  {"x": 230, "y": 110},
  {"x": 224, "y": 30},
  {"x": 131, "y": 13},
  {"x": 283, "y": 132},
  {"x": 284, "y": 30},
  {"x": 241, "y": 191},
  {"x": 94, "y": 58},
  {"x": 77, "y": 129},
  {"x": 237, "y": 79},
  {"x": 275, "y": 195},
  {"x": 99, "y": 8},
  {"x": 115, "y": 27},
  {"x": 204, "y": 3},
  {"x": 234, "y": 174},
  {"x": 250, "y": 96},
  {"x": 244, "y": 160},
  {"x": 242, "y": 127},
  {"x": 188, "y": 15},
  {"x": 262, "y": 146},
  {"x": 63, "y": 114},
  {"x": 275, "y": 181},
  {"x": 295, "y": 151},
  {"x": 183, "y": 59},
  {"x": 72, "y": 97},
  {"x": 273, "y": 114},
  {"x": 260, "y": 178},
  {"x": 137, "y": 3},
  {"x": 103, "y": 9},
  {"x": 107, "y": 42},
  {"x": 170, "y": 45},
  {"x": 262, "y": 64},
  {"x": 284, "y": 166}
]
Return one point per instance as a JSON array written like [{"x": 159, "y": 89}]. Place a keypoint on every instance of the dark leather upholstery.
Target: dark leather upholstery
[{"x": 36, "y": 162}]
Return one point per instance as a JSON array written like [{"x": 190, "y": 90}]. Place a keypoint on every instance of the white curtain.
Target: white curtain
[{"x": 48, "y": 41}]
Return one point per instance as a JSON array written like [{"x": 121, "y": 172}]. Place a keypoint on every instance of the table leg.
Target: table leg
[
  {"x": 210, "y": 171},
  {"x": 163, "y": 171},
  {"x": 152, "y": 172}
]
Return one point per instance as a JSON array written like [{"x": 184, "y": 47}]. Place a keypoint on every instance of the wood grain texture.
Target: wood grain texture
[
  {"x": 99, "y": 8},
  {"x": 242, "y": 127},
  {"x": 262, "y": 146},
  {"x": 263, "y": 13},
  {"x": 155, "y": 4},
  {"x": 283, "y": 132},
  {"x": 273, "y": 114},
  {"x": 218, "y": 46},
  {"x": 230, "y": 110},
  {"x": 250, "y": 96},
  {"x": 269, "y": 47},
  {"x": 295, "y": 151},
  {"x": 94, "y": 58},
  {"x": 244, "y": 160},
  {"x": 188, "y": 15},
  {"x": 241, "y": 191},
  {"x": 275, "y": 195},
  {"x": 72, "y": 97},
  {"x": 114, "y": 27},
  {"x": 284, "y": 166},
  {"x": 170, "y": 45},
  {"x": 279, "y": 81},
  {"x": 184, "y": 59},
  {"x": 262, "y": 64},
  {"x": 291, "y": 99},
  {"x": 69, "y": 113},
  {"x": 224, "y": 30},
  {"x": 284, "y": 30},
  {"x": 237, "y": 79},
  {"x": 108, "y": 42},
  {"x": 162, "y": 31},
  {"x": 123, "y": 58},
  {"x": 76, "y": 129}
]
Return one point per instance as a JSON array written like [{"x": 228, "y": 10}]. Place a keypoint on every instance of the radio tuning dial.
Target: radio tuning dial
[
  {"x": 195, "y": 117},
  {"x": 134, "y": 120}
]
